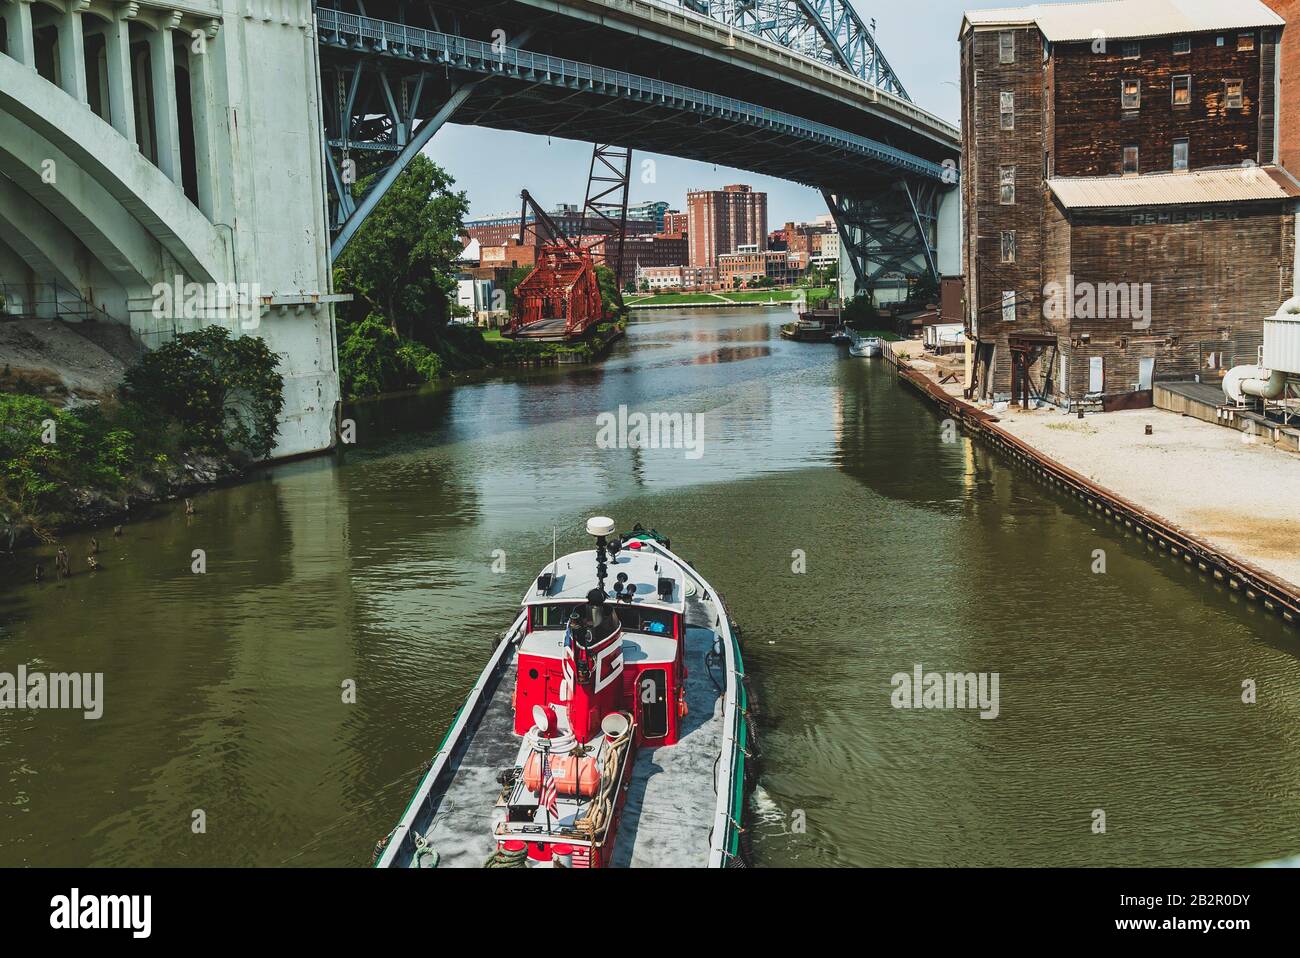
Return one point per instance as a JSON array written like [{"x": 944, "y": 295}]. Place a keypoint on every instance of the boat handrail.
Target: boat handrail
[
  {"x": 722, "y": 820},
  {"x": 404, "y": 827}
]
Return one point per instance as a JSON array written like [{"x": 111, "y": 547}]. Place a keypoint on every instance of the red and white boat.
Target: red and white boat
[{"x": 609, "y": 729}]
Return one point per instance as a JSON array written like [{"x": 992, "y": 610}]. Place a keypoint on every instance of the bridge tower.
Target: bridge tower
[{"x": 162, "y": 167}]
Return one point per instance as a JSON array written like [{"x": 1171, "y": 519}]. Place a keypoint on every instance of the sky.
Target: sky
[{"x": 920, "y": 42}]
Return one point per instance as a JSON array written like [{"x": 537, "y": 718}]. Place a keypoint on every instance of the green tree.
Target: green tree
[
  {"x": 225, "y": 391},
  {"x": 609, "y": 295},
  {"x": 400, "y": 264}
]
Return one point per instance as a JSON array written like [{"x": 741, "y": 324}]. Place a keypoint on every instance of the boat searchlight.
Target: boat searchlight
[{"x": 601, "y": 527}]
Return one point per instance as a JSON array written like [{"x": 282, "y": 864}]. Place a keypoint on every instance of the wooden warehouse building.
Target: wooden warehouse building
[{"x": 1126, "y": 220}]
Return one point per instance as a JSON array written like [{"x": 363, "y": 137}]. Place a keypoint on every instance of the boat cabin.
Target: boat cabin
[{"x": 625, "y": 647}]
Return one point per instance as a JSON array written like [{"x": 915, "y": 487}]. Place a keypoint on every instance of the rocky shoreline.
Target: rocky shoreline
[{"x": 93, "y": 508}]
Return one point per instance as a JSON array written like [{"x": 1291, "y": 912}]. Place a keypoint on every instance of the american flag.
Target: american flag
[
  {"x": 569, "y": 668},
  {"x": 550, "y": 796}
]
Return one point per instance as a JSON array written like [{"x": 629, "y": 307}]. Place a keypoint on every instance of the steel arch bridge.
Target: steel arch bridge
[
  {"x": 827, "y": 30},
  {"x": 797, "y": 89}
]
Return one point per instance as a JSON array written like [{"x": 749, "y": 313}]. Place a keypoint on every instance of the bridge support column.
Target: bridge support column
[
  {"x": 72, "y": 51},
  {"x": 162, "y": 65},
  {"x": 204, "y": 110},
  {"x": 117, "y": 49},
  {"x": 893, "y": 232},
  {"x": 20, "y": 33}
]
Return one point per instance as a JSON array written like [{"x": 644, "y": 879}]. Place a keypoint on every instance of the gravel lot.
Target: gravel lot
[{"x": 1242, "y": 498}]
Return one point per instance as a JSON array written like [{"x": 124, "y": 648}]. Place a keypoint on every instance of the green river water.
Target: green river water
[{"x": 1119, "y": 692}]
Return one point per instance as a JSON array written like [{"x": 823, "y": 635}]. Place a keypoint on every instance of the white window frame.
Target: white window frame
[
  {"x": 1182, "y": 46},
  {"x": 1006, "y": 177},
  {"x": 1186, "y": 144},
  {"x": 1135, "y": 45},
  {"x": 1008, "y": 306},
  {"x": 1137, "y": 160},
  {"x": 1244, "y": 38},
  {"x": 1173, "y": 89},
  {"x": 1008, "y": 99},
  {"x": 1005, "y": 55},
  {"x": 1009, "y": 242},
  {"x": 1124, "y": 102},
  {"x": 1228, "y": 98}
]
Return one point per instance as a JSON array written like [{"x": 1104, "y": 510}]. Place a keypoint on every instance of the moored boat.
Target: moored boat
[
  {"x": 609, "y": 728},
  {"x": 818, "y": 326},
  {"x": 866, "y": 348}
]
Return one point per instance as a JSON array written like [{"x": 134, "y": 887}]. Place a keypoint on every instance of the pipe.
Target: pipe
[{"x": 1255, "y": 381}]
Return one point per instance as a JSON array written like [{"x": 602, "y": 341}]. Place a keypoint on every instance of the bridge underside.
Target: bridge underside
[{"x": 389, "y": 87}]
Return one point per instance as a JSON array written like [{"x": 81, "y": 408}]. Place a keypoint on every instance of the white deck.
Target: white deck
[{"x": 670, "y": 806}]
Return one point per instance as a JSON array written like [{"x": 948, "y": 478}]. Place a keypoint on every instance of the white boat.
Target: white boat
[
  {"x": 609, "y": 728},
  {"x": 866, "y": 348}
]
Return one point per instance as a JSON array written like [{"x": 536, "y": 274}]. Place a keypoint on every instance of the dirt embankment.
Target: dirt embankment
[
  {"x": 66, "y": 363},
  {"x": 76, "y": 364}
]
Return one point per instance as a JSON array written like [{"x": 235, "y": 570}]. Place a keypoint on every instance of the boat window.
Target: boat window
[
  {"x": 638, "y": 619},
  {"x": 652, "y": 702},
  {"x": 552, "y": 616},
  {"x": 603, "y": 621}
]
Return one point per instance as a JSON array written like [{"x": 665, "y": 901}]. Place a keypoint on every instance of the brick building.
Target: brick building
[
  {"x": 746, "y": 265},
  {"x": 508, "y": 255},
  {"x": 1125, "y": 218},
  {"x": 657, "y": 278},
  {"x": 675, "y": 222},
  {"x": 722, "y": 221},
  {"x": 699, "y": 277},
  {"x": 1289, "y": 95},
  {"x": 662, "y": 249}
]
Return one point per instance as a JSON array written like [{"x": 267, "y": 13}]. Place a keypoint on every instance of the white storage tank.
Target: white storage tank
[
  {"x": 1282, "y": 339},
  {"x": 1280, "y": 361}
]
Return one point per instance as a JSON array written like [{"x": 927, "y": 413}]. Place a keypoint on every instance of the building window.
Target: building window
[
  {"x": 1220, "y": 41},
  {"x": 1131, "y": 160},
  {"x": 1008, "y": 246},
  {"x": 1009, "y": 306},
  {"x": 1007, "y": 178},
  {"x": 1183, "y": 91},
  {"x": 1008, "y": 111},
  {"x": 1131, "y": 94},
  {"x": 1234, "y": 94},
  {"x": 1182, "y": 155},
  {"x": 1182, "y": 45},
  {"x": 1245, "y": 41},
  {"x": 1131, "y": 50},
  {"x": 1007, "y": 47}
]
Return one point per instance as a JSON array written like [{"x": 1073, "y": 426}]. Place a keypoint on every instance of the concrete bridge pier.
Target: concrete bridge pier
[{"x": 163, "y": 168}]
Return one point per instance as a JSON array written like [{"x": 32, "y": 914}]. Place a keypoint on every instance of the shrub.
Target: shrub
[{"x": 224, "y": 391}]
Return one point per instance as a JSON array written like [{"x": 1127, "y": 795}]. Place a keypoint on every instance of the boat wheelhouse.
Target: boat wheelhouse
[{"x": 609, "y": 728}]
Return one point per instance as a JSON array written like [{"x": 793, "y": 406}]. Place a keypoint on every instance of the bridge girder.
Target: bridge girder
[
  {"x": 390, "y": 86},
  {"x": 827, "y": 30},
  {"x": 889, "y": 232}
]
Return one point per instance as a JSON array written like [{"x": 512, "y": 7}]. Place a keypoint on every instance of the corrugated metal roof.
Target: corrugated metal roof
[
  {"x": 1130, "y": 19},
  {"x": 1239, "y": 184}
]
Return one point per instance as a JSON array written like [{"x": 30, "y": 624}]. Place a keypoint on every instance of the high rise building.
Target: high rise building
[
  {"x": 723, "y": 220},
  {"x": 650, "y": 212}
]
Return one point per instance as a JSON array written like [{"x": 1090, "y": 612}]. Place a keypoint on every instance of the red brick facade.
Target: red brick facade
[
  {"x": 1289, "y": 109},
  {"x": 721, "y": 221}
]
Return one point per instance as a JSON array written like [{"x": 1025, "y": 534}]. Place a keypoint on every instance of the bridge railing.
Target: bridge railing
[{"x": 351, "y": 31}]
